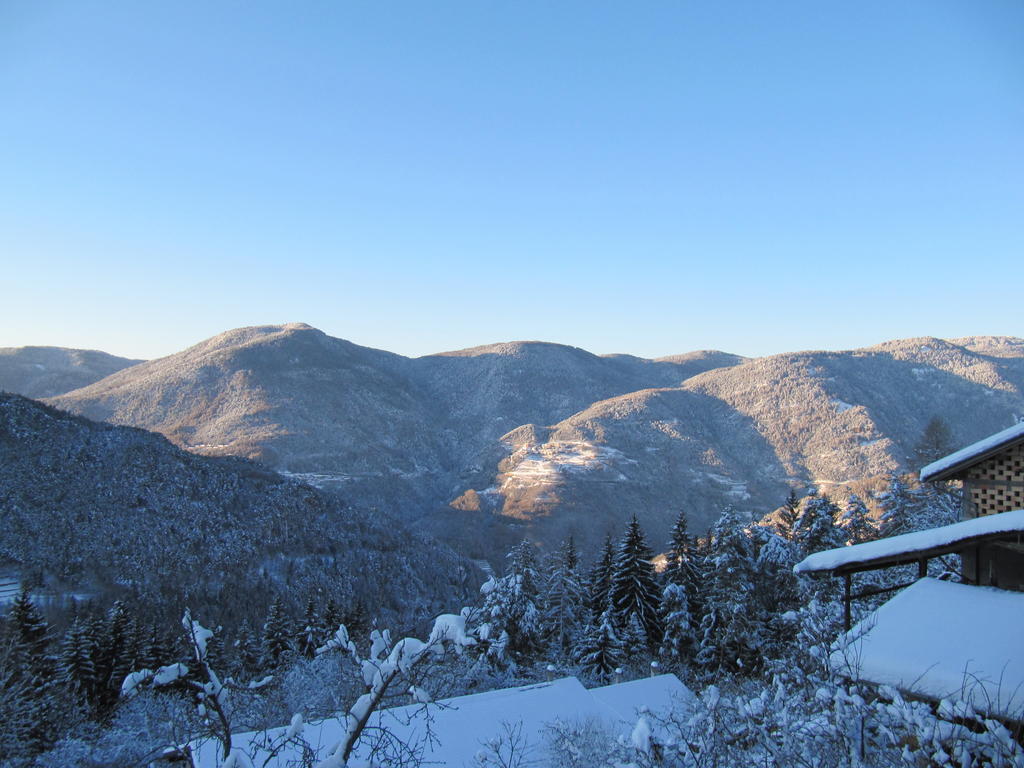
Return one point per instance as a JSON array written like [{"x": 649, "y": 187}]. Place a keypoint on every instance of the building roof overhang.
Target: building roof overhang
[
  {"x": 1006, "y": 527},
  {"x": 950, "y": 467}
]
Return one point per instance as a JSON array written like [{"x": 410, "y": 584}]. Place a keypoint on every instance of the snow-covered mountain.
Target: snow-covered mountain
[
  {"x": 49, "y": 371},
  {"x": 555, "y": 437}
]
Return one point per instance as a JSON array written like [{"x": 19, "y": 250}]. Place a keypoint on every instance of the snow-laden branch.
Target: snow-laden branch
[{"x": 386, "y": 663}]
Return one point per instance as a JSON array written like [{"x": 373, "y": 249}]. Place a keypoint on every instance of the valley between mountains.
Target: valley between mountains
[{"x": 479, "y": 445}]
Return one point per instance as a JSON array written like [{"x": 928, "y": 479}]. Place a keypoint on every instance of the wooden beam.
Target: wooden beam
[
  {"x": 909, "y": 558},
  {"x": 847, "y": 584}
]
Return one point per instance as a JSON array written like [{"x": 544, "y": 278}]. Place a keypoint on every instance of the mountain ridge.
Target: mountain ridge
[
  {"x": 530, "y": 431},
  {"x": 49, "y": 371}
]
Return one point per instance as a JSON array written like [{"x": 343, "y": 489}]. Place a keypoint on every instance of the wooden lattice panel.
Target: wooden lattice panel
[{"x": 997, "y": 484}]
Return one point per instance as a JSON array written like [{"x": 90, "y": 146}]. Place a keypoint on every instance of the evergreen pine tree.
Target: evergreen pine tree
[
  {"x": 936, "y": 441},
  {"x": 731, "y": 630},
  {"x": 355, "y": 619},
  {"x": 247, "y": 649},
  {"x": 511, "y": 614},
  {"x": 634, "y": 638},
  {"x": 816, "y": 529},
  {"x": 634, "y": 588},
  {"x": 30, "y": 630},
  {"x": 787, "y": 515},
  {"x": 600, "y": 651},
  {"x": 95, "y": 639},
  {"x": 308, "y": 638},
  {"x": 522, "y": 560},
  {"x": 680, "y": 554},
  {"x": 897, "y": 509},
  {"x": 77, "y": 669},
  {"x": 153, "y": 652},
  {"x": 776, "y": 590},
  {"x": 332, "y": 618},
  {"x": 276, "y": 634},
  {"x": 677, "y": 641},
  {"x": 857, "y": 521},
  {"x": 562, "y": 603},
  {"x": 599, "y": 581},
  {"x": 121, "y": 646}
]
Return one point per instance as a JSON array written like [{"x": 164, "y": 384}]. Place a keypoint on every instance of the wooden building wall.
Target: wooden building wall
[
  {"x": 996, "y": 484},
  {"x": 990, "y": 487}
]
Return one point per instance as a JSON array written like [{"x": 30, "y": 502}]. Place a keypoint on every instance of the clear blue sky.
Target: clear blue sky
[{"x": 637, "y": 177}]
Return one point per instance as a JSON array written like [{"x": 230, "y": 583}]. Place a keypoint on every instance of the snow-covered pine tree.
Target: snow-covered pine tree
[
  {"x": 309, "y": 638},
  {"x": 121, "y": 646},
  {"x": 77, "y": 670},
  {"x": 563, "y": 604},
  {"x": 787, "y": 515},
  {"x": 153, "y": 651},
  {"x": 30, "y": 630},
  {"x": 599, "y": 581},
  {"x": 677, "y": 642},
  {"x": 634, "y": 588},
  {"x": 938, "y": 504},
  {"x": 601, "y": 651},
  {"x": 276, "y": 634},
  {"x": 248, "y": 651},
  {"x": 681, "y": 568},
  {"x": 634, "y": 639},
  {"x": 816, "y": 529},
  {"x": 897, "y": 504},
  {"x": 776, "y": 589},
  {"x": 511, "y": 625},
  {"x": 732, "y": 627},
  {"x": 332, "y": 617},
  {"x": 856, "y": 521}
]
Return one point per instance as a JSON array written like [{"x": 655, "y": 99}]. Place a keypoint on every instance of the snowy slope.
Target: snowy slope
[{"x": 462, "y": 727}]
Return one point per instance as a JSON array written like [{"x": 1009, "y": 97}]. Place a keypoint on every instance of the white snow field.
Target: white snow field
[
  {"x": 942, "y": 640},
  {"x": 461, "y": 727}
]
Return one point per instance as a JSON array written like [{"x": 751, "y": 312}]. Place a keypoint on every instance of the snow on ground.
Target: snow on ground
[
  {"x": 462, "y": 727},
  {"x": 545, "y": 464},
  {"x": 842, "y": 406},
  {"x": 941, "y": 640},
  {"x": 1004, "y": 522},
  {"x": 733, "y": 488},
  {"x": 320, "y": 479},
  {"x": 975, "y": 449}
]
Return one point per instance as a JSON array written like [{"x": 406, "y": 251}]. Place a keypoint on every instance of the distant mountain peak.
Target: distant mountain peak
[{"x": 513, "y": 349}]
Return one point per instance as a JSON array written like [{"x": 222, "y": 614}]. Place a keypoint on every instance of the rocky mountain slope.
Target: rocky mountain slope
[
  {"x": 555, "y": 438},
  {"x": 101, "y": 510},
  {"x": 743, "y": 435},
  {"x": 50, "y": 371}
]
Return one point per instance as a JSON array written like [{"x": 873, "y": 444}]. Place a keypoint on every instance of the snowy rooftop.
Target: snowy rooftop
[
  {"x": 909, "y": 545},
  {"x": 941, "y": 469},
  {"x": 461, "y": 726},
  {"x": 937, "y": 639}
]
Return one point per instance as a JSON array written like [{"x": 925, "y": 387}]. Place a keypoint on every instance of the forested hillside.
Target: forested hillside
[{"x": 102, "y": 512}]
